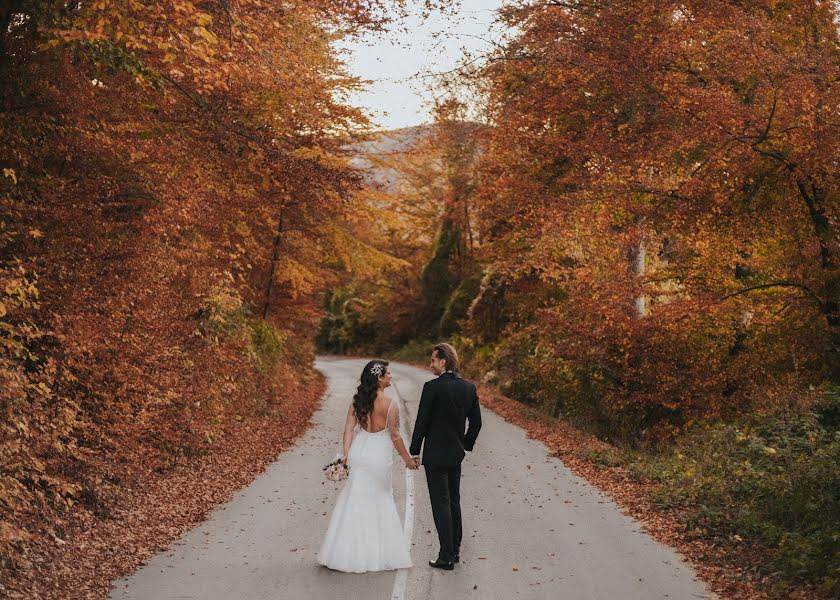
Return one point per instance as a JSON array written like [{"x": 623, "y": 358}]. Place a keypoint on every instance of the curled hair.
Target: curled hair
[
  {"x": 448, "y": 354},
  {"x": 366, "y": 392}
]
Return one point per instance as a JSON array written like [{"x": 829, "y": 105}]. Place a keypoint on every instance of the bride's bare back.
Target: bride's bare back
[{"x": 378, "y": 417}]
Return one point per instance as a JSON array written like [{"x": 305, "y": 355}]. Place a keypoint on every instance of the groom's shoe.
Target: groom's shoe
[
  {"x": 457, "y": 558},
  {"x": 442, "y": 564}
]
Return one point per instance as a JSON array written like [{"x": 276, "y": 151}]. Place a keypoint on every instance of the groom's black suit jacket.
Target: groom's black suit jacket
[{"x": 445, "y": 405}]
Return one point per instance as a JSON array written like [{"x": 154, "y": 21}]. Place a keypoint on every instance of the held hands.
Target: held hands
[{"x": 413, "y": 463}]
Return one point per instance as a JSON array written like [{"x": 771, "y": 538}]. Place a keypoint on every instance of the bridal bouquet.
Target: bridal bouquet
[{"x": 337, "y": 470}]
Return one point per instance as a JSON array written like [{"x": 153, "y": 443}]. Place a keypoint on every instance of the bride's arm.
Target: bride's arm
[
  {"x": 349, "y": 425},
  {"x": 396, "y": 438}
]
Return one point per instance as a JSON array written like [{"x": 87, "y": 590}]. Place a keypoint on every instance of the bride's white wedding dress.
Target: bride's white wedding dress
[{"x": 365, "y": 533}]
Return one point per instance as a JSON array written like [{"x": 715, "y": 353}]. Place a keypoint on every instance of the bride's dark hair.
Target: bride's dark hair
[{"x": 366, "y": 392}]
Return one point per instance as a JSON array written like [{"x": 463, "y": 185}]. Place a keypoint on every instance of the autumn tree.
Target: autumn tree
[
  {"x": 658, "y": 201},
  {"x": 418, "y": 203},
  {"x": 450, "y": 275},
  {"x": 174, "y": 197}
]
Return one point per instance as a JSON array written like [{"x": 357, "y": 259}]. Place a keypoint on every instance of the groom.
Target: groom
[{"x": 445, "y": 405}]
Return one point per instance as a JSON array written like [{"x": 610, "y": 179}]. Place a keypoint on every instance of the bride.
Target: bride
[{"x": 364, "y": 533}]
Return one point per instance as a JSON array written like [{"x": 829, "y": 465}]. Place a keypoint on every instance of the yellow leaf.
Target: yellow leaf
[
  {"x": 2, "y": 310},
  {"x": 36, "y": 233},
  {"x": 10, "y": 173},
  {"x": 207, "y": 35}
]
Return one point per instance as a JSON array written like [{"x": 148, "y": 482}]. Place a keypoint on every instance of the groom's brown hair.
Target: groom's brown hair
[{"x": 447, "y": 353}]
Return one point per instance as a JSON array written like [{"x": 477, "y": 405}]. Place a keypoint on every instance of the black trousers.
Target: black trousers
[{"x": 445, "y": 494}]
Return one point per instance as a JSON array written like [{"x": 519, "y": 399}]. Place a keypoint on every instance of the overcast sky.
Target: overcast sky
[{"x": 396, "y": 61}]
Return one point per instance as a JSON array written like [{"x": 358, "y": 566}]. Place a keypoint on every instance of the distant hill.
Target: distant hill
[{"x": 386, "y": 143}]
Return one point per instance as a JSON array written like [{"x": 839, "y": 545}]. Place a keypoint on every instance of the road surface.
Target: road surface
[{"x": 532, "y": 529}]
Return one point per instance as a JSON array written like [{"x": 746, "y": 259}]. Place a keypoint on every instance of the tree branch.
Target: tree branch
[{"x": 764, "y": 286}]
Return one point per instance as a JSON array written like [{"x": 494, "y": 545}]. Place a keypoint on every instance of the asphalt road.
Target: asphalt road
[{"x": 532, "y": 529}]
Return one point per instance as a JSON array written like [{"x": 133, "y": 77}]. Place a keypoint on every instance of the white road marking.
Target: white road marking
[{"x": 401, "y": 579}]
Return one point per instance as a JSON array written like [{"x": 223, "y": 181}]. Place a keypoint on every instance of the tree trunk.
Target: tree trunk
[
  {"x": 467, "y": 226},
  {"x": 830, "y": 291},
  {"x": 557, "y": 409},
  {"x": 639, "y": 270},
  {"x": 275, "y": 256}
]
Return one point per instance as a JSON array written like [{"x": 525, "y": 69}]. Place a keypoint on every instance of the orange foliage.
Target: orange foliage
[
  {"x": 167, "y": 169},
  {"x": 659, "y": 203}
]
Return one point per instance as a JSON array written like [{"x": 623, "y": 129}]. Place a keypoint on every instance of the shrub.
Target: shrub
[
  {"x": 772, "y": 483},
  {"x": 265, "y": 345}
]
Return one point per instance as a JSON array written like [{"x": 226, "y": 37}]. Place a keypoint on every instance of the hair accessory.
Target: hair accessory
[{"x": 378, "y": 369}]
